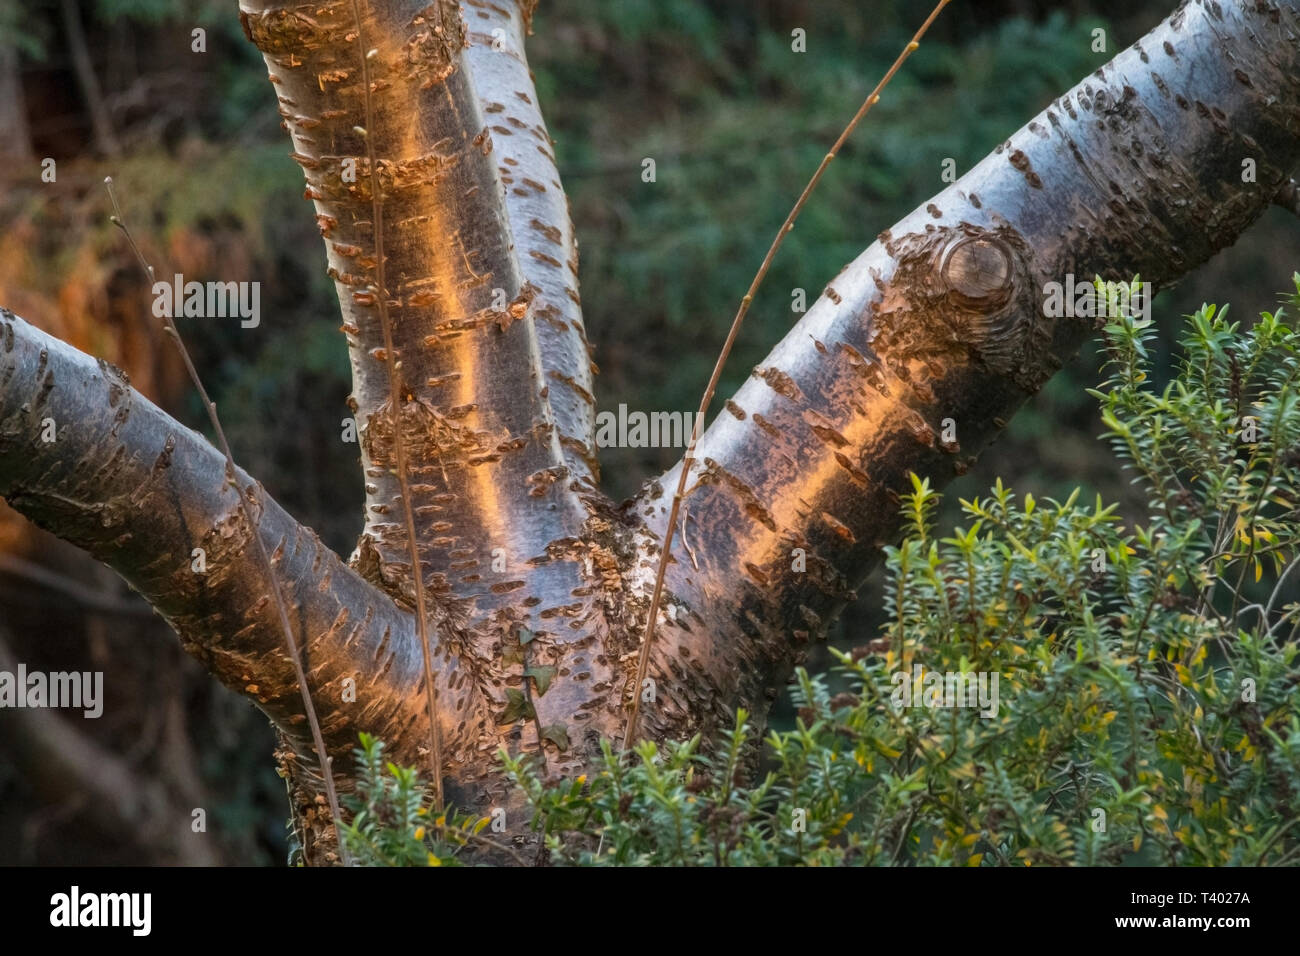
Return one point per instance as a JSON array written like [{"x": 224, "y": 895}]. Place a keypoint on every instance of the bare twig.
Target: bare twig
[
  {"x": 1277, "y": 588},
  {"x": 689, "y": 460},
  {"x": 394, "y": 406},
  {"x": 485, "y": 841},
  {"x": 317, "y": 739},
  {"x": 537, "y": 721},
  {"x": 55, "y": 757},
  {"x": 87, "y": 597}
]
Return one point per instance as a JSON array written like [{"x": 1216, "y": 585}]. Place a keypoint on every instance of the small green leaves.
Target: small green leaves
[
  {"x": 557, "y": 734},
  {"x": 542, "y": 675},
  {"x": 513, "y": 653},
  {"x": 1153, "y": 691},
  {"x": 518, "y": 707},
  {"x": 392, "y": 824}
]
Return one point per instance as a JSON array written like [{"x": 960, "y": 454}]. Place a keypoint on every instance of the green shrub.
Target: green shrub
[
  {"x": 1147, "y": 671},
  {"x": 392, "y": 823}
]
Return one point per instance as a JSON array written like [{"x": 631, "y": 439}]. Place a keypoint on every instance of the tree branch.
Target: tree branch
[
  {"x": 89, "y": 598},
  {"x": 483, "y": 452},
  {"x": 1288, "y": 197},
  {"x": 15, "y": 133},
  {"x": 941, "y": 326},
  {"x": 100, "y": 123},
  {"x": 538, "y": 213},
  {"x": 149, "y": 498},
  {"x": 63, "y": 763}
]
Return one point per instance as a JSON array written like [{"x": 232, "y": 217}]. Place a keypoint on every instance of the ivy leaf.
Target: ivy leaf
[
  {"x": 543, "y": 674},
  {"x": 525, "y": 635},
  {"x": 517, "y": 707},
  {"x": 512, "y": 654},
  {"x": 557, "y": 734}
]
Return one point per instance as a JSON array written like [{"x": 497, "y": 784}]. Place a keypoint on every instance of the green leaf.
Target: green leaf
[
  {"x": 543, "y": 674},
  {"x": 525, "y": 635},
  {"x": 557, "y": 734},
  {"x": 517, "y": 707}
]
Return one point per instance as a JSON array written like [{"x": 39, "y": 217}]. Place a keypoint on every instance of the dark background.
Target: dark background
[{"x": 736, "y": 123}]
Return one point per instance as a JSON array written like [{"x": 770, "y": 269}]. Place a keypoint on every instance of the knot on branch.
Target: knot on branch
[
  {"x": 977, "y": 272},
  {"x": 965, "y": 293}
]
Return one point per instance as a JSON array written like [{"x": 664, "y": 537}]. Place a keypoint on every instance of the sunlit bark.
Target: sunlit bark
[
  {"x": 938, "y": 331},
  {"x": 912, "y": 361},
  {"x": 85, "y": 456}
]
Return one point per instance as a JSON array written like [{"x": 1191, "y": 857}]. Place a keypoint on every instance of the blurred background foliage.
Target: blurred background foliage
[{"x": 736, "y": 122}]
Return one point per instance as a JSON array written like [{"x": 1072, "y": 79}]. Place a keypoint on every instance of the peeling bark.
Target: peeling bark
[
  {"x": 1135, "y": 171},
  {"x": 487, "y": 464},
  {"x": 141, "y": 492},
  {"x": 480, "y": 267}
]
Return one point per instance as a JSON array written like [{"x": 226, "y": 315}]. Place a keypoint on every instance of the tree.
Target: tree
[
  {"x": 15, "y": 135},
  {"x": 444, "y": 222}
]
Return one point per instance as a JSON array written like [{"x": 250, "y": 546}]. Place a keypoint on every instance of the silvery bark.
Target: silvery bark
[{"x": 1138, "y": 170}]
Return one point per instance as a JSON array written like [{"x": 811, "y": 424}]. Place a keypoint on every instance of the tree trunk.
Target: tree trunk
[
  {"x": 101, "y": 124},
  {"x": 15, "y": 134},
  {"x": 419, "y": 134}
]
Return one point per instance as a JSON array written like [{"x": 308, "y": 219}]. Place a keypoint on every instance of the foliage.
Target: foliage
[
  {"x": 1146, "y": 703},
  {"x": 710, "y": 89},
  {"x": 392, "y": 824},
  {"x": 19, "y": 30}
]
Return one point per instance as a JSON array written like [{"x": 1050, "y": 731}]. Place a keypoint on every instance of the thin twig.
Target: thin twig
[
  {"x": 537, "y": 721},
  {"x": 1277, "y": 589},
  {"x": 689, "y": 460},
  {"x": 88, "y": 598},
  {"x": 317, "y": 739},
  {"x": 101, "y": 123},
  {"x": 1263, "y": 854},
  {"x": 394, "y": 406},
  {"x": 486, "y": 841}
]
